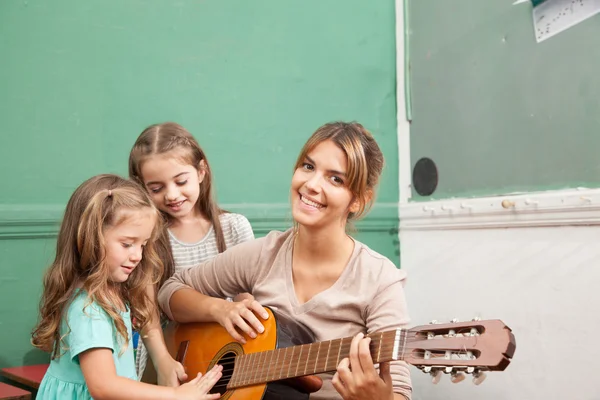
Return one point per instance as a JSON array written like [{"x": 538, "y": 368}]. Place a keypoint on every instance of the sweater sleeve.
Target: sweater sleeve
[
  {"x": 388, "y": 311},
  {"x": 227, "y": 274}
]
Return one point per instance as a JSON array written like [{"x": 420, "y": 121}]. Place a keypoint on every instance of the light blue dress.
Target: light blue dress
[{"x": 90, "y": 328}]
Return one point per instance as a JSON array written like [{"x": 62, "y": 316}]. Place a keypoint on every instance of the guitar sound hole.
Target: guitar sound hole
[{"x": 227, "y": 360}]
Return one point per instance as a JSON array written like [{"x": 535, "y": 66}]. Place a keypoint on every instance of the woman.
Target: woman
[{"x": 314, "y": 272}]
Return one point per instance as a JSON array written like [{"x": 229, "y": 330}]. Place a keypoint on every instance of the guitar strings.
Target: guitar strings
[
  {"x": 262, "y": 374},
  {"x": 344, "y": 348},
  {"x": 433, "y": 355}
]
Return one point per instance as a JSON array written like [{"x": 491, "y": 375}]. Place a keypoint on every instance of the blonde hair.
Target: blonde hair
[
  {"x": 163, "y": 138},
  {"x": 100, "y": 202},
  {"x": 365, "y": 159}
]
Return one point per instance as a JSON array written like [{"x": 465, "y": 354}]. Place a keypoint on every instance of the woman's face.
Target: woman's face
[{"x": 319, "y": 193}]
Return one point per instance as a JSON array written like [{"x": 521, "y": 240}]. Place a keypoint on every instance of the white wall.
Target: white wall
[{"x": 534, "y": 265}]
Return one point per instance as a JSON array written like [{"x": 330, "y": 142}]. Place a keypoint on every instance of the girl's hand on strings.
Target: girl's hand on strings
[
  {"x": 198, "y": 388},
  {"x": 170, "y": 372}
]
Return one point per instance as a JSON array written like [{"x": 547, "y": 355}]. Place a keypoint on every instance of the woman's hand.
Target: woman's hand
[
  {"x": 198, "y": 388},
  {"x": 356, "y": 377},
  {"x": 243, "y": 296},
  {"x": 170, "y": 372},
  {"x": 241, "y": 315}
]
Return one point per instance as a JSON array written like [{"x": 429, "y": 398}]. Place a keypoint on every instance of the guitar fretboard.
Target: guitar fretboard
[{"x": 310, "y": 359}]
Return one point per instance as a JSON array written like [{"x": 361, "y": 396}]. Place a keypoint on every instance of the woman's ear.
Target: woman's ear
[{"x": 356, "y": 204}]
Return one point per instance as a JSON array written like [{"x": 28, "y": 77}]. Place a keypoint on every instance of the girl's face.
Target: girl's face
[
  {"x": 319, "y": 194},
  {"x": 124, "y": 243},
  {"x": 173, "y": 185}
]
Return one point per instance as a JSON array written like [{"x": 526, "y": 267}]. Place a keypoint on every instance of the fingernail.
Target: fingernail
[
  {"x": 252, "y": 335},
  {"x": 261, "y": 329}
]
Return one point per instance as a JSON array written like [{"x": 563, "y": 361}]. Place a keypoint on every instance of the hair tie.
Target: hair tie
[{"x": 109, "y": 193}]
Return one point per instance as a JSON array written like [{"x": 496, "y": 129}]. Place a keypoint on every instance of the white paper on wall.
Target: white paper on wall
[{"x": 554, "y": 16}]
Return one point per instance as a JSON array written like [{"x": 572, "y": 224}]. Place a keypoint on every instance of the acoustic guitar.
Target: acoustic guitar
[{"x": 281, "y": 362}]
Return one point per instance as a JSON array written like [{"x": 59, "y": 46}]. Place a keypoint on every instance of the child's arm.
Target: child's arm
[
  {"x": 169, "y": 372},
  {"x": 103, "y": 383}
]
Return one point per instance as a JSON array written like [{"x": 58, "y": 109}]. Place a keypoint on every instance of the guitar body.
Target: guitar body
[{"x": 199, "y": 346}]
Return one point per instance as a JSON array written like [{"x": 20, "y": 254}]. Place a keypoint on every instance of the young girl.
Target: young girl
[
  {"x": 105, "y": 261},
  {"x": 315, "y": 272},
  {"x": 169, "y": 163}
]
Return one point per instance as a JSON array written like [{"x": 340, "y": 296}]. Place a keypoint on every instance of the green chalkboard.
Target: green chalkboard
[{"x": 495, "y": 110}]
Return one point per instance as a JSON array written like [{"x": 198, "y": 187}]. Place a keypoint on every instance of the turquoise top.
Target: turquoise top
[{"x": 90, "y": 327}]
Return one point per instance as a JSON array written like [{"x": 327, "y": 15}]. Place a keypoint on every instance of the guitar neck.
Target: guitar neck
[{"x": 310, "y": 359}]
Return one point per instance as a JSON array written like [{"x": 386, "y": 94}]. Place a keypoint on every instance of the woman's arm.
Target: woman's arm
[
  {"x": 188, "y": 305},
  {"x": 196, "y": 294},
  {"x": 101, "y": 377}
]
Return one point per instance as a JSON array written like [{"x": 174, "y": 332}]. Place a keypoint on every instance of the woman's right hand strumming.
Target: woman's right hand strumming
[
  {"x": 236, "y": 316},
  {"x": 198, "y": 388}
]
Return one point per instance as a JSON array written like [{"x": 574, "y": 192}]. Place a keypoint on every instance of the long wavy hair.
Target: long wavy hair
[
  {"x": 170, "y": 137},
  {"x": 364, "y": 157},
  {"x": 99, "y": 203}
]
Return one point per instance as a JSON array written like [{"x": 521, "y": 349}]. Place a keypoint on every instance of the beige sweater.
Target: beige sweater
[{"x": 367, "y": 297}]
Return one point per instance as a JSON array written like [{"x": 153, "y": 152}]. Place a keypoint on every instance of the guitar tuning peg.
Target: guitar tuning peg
[
  {"x": 479, "y": 377},
  {"x": 476, "y": 319},
  {"x": 454, "y": 320},
  {"x": 433, "y": 322},
  {"x": 457, "y": 377},
  {"x": 436, "y": 376}
]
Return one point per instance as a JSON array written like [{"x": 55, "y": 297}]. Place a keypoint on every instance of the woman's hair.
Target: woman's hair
[
  {"x": 365, "y": 160},
  {"x": 99, "y": 203},
  {"x": 171, "y": 137}
]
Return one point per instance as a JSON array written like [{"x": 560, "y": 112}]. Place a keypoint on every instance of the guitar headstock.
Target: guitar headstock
[{"x": 460, "y": 347}]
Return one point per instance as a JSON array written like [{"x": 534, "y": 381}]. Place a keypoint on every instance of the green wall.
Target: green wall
[
  {"x": 497, "y": 111},
  {"x": 252, "y": 80}
]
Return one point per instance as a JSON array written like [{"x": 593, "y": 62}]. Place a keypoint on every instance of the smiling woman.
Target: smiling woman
[
  {"x": 342, "y": 165},
  {"x": 318, "y": 192},
  {"x": 313, "y": 271}
]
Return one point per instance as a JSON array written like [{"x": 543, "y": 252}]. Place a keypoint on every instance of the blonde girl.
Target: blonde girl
[
  {"x": 170, "y": 164},
  {"x": 105, "y": 261},
  {"x": 314, "y": 272}
]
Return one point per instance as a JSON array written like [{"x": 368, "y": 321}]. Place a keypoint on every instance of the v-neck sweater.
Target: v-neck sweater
[{"x": 367, "y": 297}]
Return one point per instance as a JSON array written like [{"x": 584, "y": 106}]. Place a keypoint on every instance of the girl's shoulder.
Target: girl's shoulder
[
  {"x": 269, "y": 244},
  {"x": 236, "y": 228},
  {"x": 233, "y": 219},
  {"x": 81, "y": 303}
]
